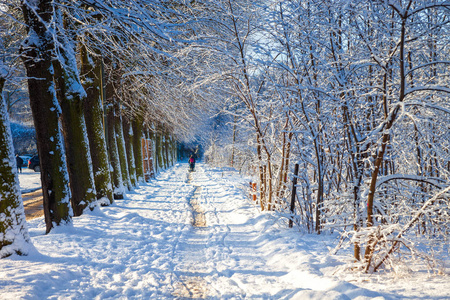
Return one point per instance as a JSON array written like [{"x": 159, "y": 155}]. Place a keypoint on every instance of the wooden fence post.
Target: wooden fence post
[
  {"x": 253, "y": 190},
  {"x": 294, "y": 193}
]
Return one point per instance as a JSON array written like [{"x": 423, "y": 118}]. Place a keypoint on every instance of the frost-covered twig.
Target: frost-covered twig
[{"x": 410, "y": 224}]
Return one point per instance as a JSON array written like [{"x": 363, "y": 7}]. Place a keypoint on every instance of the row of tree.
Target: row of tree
[{"x": 103, "y": 98}]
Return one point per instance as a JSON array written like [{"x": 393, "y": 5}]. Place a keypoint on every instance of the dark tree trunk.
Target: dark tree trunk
[
  {"x": 159, "y": 150},
  {"x": 71, "y": 97},
  {"x": 137, "y": 148},
  {"x": 116, "y": 172},
  {"x": 93, "y": 114},
  {"x": 166, "y": 151},
  {"x": 128, "y": 138},
  {"x": 37, "y": 54},
  {"x": 121, "y": 147},
  {"x": 152, "y": 159}
]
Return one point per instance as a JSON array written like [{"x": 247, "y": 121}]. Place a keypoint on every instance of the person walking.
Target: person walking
[
  {"x": 191, "y": 163},
  {"x": 19, "y": 162}
]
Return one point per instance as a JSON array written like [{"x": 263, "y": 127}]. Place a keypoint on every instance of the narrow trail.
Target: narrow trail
[
  {"x": 191, "y": 254},
  {"x": 204, "y": 262}
]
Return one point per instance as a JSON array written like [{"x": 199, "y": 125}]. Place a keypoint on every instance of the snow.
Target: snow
[
  {"x": 29, "y": 180},
  {"x": 145, "y": 247}
]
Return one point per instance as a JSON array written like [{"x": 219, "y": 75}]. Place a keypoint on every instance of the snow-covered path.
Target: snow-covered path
[{"x": 147, "y": 247}]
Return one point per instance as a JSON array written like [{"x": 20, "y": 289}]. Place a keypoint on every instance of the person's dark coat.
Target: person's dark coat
[{"x": 19, "y": 162}]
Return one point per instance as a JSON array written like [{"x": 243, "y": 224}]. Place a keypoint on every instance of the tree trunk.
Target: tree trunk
[
  {"x": 287, "y": 159},
  {"x": 164, "y": 150},
  {"x": 116, "y": 173},
  {"x": 373, "y": 181},
  {"x": 234, "y": 139},
  {"x": 261, "y": 174},
  {"x": 356, "y": 175},
  {"x": 121, "y": 147},
  {"x": 175, "y": 151},
  {"x": 159, "y": 150},
  {"x": 14, "y": 237},
  {"x": 282, "y": 166},
  {"x": 93, "y": 114},
  {"x": 71, "y": 96},
  {"x": 137, "y": 148},
  {"x": 37, "y": 54},
  {"x": 319, "y": 201},
  {"x": 128, "y": 135},
  {"x": 390, "y": 119},
  {"x": 152, "y": 162}
]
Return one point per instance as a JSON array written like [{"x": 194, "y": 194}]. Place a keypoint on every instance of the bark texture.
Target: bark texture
[
  {"x": 91, "y": 70},
  {"x": 37, "y": 55},
  {"x": 121, "y": 147},
  {"x": 71, "y": 97},
  {"x": 128, "y": 138},
  {"x": 137, "y": 148},
  {"x": 116, "y": 172}
]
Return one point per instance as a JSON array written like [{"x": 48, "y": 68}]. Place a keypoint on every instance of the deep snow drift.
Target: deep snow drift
[{"x": 146, "y": 247}]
